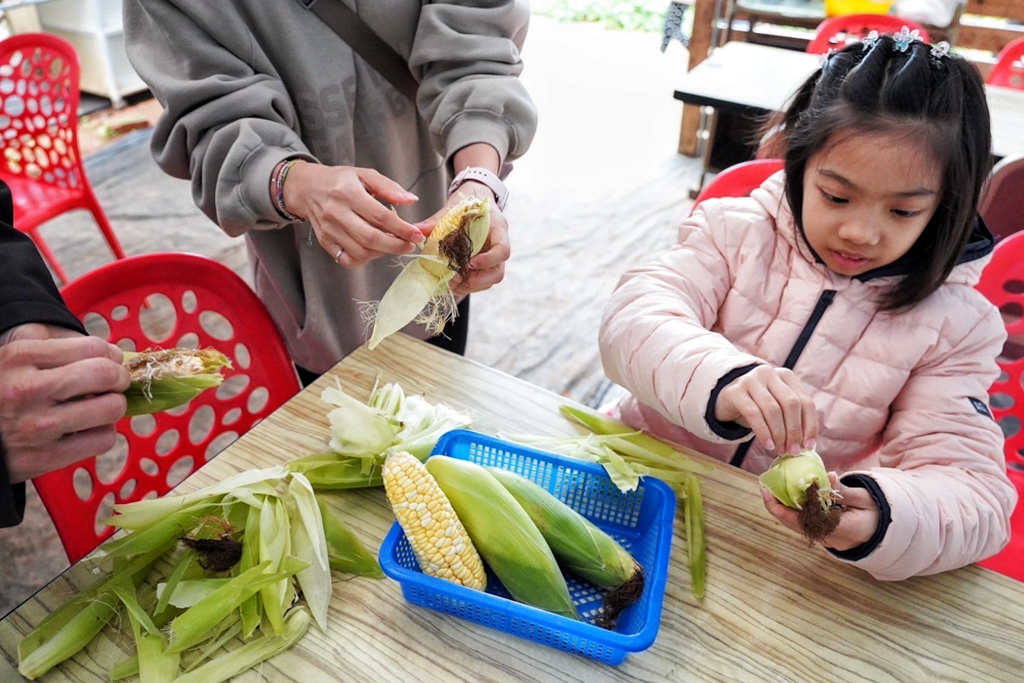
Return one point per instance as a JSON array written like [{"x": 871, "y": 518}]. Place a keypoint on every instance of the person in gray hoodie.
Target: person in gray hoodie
[{"x": 292, "y": 139}]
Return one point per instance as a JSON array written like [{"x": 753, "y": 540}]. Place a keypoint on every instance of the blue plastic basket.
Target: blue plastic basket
[{"x": 640, "y": 520}]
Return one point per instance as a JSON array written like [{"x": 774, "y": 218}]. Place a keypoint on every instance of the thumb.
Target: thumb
[{"x": 382, "y": 187}]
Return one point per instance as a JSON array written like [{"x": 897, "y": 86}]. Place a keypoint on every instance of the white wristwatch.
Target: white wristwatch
[{"x": 488, "y": 178}]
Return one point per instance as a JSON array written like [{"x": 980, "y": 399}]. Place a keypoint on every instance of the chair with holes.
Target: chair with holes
[
  {"x": 39, "y": 138},
  {"x": 837, "y": 31},
  {"x": 739, "y": 180},
  {"x": 1002, "y": 200},
  {"x": 1008, "y": 71},
  {"x": 166, "y": 300},
  {"x": 1002, "y": 282}
]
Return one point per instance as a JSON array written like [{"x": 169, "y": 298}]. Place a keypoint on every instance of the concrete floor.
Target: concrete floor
[{"x": 602, "y": 188}]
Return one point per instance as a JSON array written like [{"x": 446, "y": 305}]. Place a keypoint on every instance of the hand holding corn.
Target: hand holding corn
[
  {"x": 839, "y": 528},
  {"x": 42, "y": 368},
  {"x": 487, "y": 268}
]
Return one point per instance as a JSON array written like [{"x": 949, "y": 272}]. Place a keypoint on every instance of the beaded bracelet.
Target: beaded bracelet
[{"x": 279, "y": 178}]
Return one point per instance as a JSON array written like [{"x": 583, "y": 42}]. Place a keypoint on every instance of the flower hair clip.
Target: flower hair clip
[
  {"x": 903, "y": 39},
  {"x": 939, "y": 51},
  {"x": 868, "y": 41}
]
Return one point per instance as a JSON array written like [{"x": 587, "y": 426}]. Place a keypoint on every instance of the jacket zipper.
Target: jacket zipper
[{"x": 824, "y": 301}]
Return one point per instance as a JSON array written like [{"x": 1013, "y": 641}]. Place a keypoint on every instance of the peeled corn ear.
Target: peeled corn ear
[
  {"x": 437, "y": 537},
  {"x": 504, "y": 534},
  {"x": 165, "y": 379},
  {"x": 421, "y": 292},
  {"x": 800, "y": 481}
]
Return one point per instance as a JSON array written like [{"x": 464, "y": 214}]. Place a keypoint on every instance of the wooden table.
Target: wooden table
[
  {"x": 745, "y": 77},
  {"x": 775, "y": 609}
]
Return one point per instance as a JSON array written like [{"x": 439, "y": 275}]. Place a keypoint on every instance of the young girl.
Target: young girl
[{"x": 834, "y": 309}]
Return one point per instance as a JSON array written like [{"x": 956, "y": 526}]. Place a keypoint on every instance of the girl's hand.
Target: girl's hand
[
  {"x": 775, "y": 405},
  {"x": 856, "y": 525},
  {"x": 340, "y": 202},
  {"x": 488, "y": 267}
]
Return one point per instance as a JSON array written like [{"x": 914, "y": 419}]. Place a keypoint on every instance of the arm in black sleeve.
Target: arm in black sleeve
[{"x": 27, "y": 295}]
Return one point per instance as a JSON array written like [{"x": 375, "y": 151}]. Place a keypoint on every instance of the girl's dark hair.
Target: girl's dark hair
[{"x": 935, "y": 101}]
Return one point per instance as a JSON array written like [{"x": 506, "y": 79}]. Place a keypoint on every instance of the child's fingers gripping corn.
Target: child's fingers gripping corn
[{"x": 438, "y": 538}]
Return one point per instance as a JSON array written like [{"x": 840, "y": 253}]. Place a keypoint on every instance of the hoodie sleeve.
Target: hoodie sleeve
[
  {"x": 656, "y": 334},
  {"x": 225, "y": 124},
  {"x": 942, "y": 468},
  {"x": 466, "y": 57}
]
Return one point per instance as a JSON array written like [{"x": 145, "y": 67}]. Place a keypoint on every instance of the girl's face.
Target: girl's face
[{"x": 867, "y": 198}]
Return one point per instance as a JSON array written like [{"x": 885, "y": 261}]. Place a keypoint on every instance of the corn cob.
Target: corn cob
[
  {"x": 579, "y": 546},
  {"x": 421, "y": 292},
  {"x": 165, "y": 379},
  {"x": 438, "y": 539},
  {"x": 800, "y": 481},
  {"x": 504, "y": 534}
]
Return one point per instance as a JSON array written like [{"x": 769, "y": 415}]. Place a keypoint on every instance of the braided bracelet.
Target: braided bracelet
[{"x": 279, "y": 178}]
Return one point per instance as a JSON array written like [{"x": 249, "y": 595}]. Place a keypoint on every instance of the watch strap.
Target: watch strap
[{"x": 486, "y": 177}]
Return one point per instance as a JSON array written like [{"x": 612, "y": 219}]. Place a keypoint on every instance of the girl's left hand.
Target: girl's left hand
[
  {"x": 488, "y": 267},
  {"x": 856, "y": 525}
]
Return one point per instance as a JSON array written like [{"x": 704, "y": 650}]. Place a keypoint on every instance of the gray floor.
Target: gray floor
[{"x": 601, "y": 189}]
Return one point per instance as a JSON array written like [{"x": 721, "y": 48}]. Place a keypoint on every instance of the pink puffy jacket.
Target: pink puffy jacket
[{"x": 902, "y": 397}]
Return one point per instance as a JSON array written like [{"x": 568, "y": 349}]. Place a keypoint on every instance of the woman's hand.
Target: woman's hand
[
  {"x": 857, "y": 523},
  {"x": 341, "y": 203},
  {"x": 775, "y": 405},
  {"x": 488, "y": 267},
  {"x": 60, "y": 395}
]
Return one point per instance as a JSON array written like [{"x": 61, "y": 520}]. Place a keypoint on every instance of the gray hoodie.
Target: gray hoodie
[{"x": 247, "y": 83}]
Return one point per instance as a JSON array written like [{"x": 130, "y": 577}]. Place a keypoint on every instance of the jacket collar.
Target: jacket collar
[{"x": 967, "y": 271}]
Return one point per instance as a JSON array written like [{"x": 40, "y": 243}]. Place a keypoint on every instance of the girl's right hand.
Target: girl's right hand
[
  {"x": 340, "y": 202},
  {"x": 774, "y": 404}
]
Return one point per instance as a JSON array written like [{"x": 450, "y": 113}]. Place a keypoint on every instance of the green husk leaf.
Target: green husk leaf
[
  {"x": 345, "y": 552},
  {"x": 308, "y": 544},
  {"x": 693, "y": 511},
  {"x": 165, "y": 379}
]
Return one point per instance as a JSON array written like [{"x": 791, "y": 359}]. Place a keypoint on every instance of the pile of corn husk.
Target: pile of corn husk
[
  {"x": 241, "y": 553},
  {"x": 362, "y": 434}
]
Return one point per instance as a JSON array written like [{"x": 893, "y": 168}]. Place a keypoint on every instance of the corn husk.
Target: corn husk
[
  {"x": 421, "y": 291},
  {"x": 504, "y": 534},
  {"x": 164, "y": 379}
]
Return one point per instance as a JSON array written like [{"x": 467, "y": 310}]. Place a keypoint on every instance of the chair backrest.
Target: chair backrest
[
  {"x": 838, "y": 31},
  {"x": 739, "y": 180},
  {"x": 166, "y": 300},
  {"x": 1002, "y": 282},
  {"x": 1009, "y": 67},
  {"x": 1002, "y": 200},
  {"x": 39, "y": 115}
]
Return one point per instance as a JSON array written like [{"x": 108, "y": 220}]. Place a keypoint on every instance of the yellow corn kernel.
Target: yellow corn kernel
[
  {"x": 452, "y": 239},
  {"x": 437, "y": 537}
]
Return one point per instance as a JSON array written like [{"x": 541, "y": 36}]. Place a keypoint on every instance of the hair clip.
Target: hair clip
[
  {"x": 940, "y": 50},
  {"x": 903, "y": 39},
  {"x": 868, "y": 41}
]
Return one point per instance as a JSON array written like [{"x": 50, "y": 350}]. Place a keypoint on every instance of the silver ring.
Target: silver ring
[{"x": 337, "y": 257}]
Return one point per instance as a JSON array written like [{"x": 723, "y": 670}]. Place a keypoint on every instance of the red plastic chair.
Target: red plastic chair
[
  {"x": 1002, "y": 200},
  {"x": 1008, "y": 71},
  {"x": 739, "y": 180},
  {"x": 838, "y": 31},
  {"x": 212, "y": 307},
  {"x": 1003, "y": 283},
  {"x": 39, "y": 137}
]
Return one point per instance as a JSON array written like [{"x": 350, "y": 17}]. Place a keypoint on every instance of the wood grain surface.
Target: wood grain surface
[{"x": 775, "y": 609}]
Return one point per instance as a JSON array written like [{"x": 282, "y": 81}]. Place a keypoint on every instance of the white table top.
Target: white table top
[{"x": 742, "y": 75}]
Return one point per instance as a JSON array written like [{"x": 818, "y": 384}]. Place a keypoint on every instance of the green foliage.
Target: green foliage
[{"x": 638, "y": 15}]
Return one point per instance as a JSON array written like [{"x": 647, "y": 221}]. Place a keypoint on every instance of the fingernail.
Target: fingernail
[
  {"x": 410, "y": 195},
  {"x": 769, "y": 444},
  {"x": 419, "y": 238},
  {"x": 794, "y": 448},
  {"x": 810, "y": 445}
]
